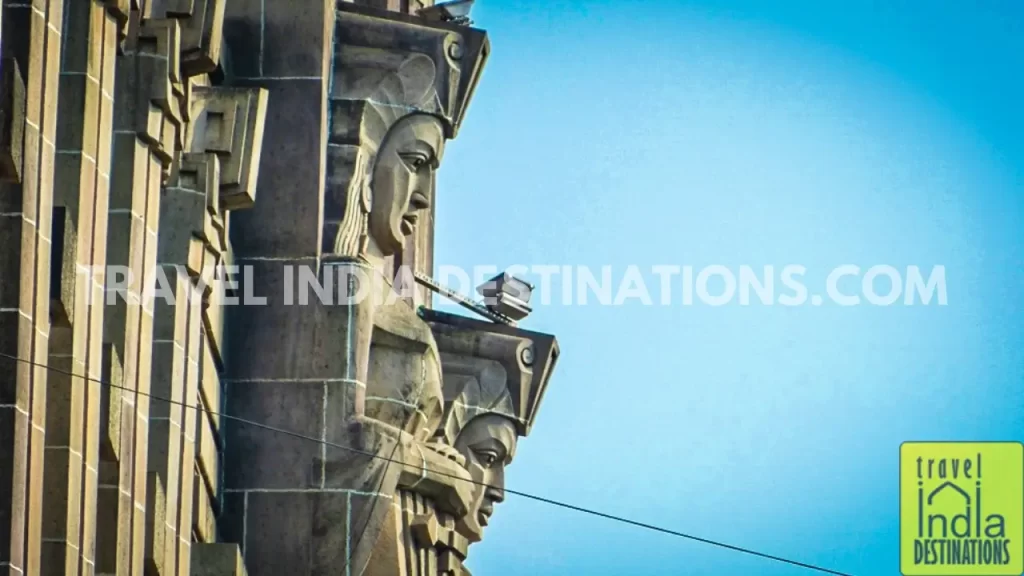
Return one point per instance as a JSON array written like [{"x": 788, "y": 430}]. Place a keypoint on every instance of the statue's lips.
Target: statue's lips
[
  {"x": 408, "y": 223},
  {"x": 484, "y": 515}
]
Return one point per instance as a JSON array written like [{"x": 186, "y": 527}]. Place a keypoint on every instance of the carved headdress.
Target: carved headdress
[
  {"x": 374, "y": 85},
  {"x": 473, "y": 387},
  {"x": 490, "y": 369}
]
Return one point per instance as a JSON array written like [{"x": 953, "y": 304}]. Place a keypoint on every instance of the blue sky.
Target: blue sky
[{"x": 745, "y": 133}]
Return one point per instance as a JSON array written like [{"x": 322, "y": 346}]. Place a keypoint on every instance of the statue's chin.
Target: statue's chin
[
  {"x": 471, "y": 529},
  {"x": 388, "y": 242},
  {"x": 396, "y": 237}
]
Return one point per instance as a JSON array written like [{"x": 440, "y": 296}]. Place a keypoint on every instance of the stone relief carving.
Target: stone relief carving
[
  {"x": 432, "y": 404},
  {"x": 494, "y": 380},
  {"x": 427, "y": 411},
  {"x": 444, "y": 400},
  {"x": 392, "y": 110},
  {"x": 481, "y": 427}
]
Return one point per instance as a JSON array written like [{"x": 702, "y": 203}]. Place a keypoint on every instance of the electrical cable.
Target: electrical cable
[{"x": 526, "y": 495}]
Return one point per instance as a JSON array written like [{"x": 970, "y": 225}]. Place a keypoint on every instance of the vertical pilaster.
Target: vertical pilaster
[
  {"x": 81, "y": 188},
  {"x": 178, "y": 331},
  {"x": 32, "y": 37},
  {"x": 122, "y": 320},
  {"x": 169, "y": 368},
  {"x": 195, "y": 343},
  {"x": 148, "y": 118},
  {"x": 104, "y": 25},
  {"x": 286, "y": 48}
]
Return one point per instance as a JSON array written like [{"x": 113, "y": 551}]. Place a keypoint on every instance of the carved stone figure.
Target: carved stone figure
[
  {"x": 402, "y": 178},
  {"x": 494, "y": 379},
  {"x": 392, "y": 110},
  {"x": 488, "y": 442},
  {"x": 241, "y": 432}
]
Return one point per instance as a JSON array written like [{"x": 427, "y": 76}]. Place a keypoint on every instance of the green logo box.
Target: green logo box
[{"x": 962, "y": 508}]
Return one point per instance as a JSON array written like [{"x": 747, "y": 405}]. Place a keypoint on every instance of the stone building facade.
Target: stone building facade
[{"x": 164, "y": 162}]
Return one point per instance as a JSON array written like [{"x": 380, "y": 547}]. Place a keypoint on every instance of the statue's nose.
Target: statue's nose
[
  {"x": 419, "y": 201},
  {"x": 496, "y": 489},
  {"x": 496, "y": 495}
]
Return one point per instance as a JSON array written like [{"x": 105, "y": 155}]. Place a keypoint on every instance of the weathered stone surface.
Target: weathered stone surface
[
  {"x": 229, "y": 122},
  {"x": 278, "y": 528},
  {"x": 217, "y": 560},
  {"x": 300, "y": 141},
  {"x": 204, "y": 516},
  {"x": 12, "y": 119},
  {"x": 291, "y": 174},
  {"x": 288, "y": 405},
  {"x": 202, "y": 23},
  {"x": 31, "y": 37}
]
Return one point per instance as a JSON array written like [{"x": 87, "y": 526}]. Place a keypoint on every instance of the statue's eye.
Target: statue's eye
[
  {"x": 416, "y": 162},
  {"x": 487, "y": 458}
]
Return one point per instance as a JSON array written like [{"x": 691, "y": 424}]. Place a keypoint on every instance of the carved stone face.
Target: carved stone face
[
  {"x": 402, "y": 178},
  {"x": 488, "y": 443}
]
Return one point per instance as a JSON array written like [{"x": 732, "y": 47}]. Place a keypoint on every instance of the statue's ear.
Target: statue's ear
[{"x": 417, "y": 75}]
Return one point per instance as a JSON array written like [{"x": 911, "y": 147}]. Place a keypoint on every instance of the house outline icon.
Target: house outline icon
[{"x": 943, "y": 486}]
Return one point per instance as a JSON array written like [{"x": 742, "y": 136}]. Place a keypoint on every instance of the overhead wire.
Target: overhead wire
[{"x": 549, "y": 501}]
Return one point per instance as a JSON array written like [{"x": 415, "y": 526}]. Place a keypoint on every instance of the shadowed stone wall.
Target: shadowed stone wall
[{"x": 149, "y": 147}]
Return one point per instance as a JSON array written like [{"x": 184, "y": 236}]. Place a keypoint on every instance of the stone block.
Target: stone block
[
  {"x": 208, "y": 452},
  {"x": 29, "y": 188},
  {"x": 12, "y": 120},
  {"x": 161, "y": 437},
  {"x": 204, "y": 516},
  {"x": 61, "y": 505},
  {"x": 106, "y": 527},
  {"x": 329, "y": 541},
  {"x": 277, "y": 339},
  {"x": 63, "y": 271},
  {"x": 217, "y": 560},
  {"x": 188, "y": 485},
  {"x": 61, "y": 417},
  {"x": 296, "y": 42},
  {"x": 201, "y": 36},
  {"x": 213, "y": 309},
  {"x": 87, "y": 546},
  {"x": 279, "y": 529},
  {"x": 286, "y": 220},
  {"x": 11, "y": 231},
  {"x": 264, "y": 459},
  {"x": 229, "y": 122},
  {"x": 170, "y": 318},
  {"x": 168, "y": 377},
  {"x": 242, "y": 22},
  {"x": 158, "y": 68},
  {"x": 156, "y": 525},
  {"x": 16, "y": 453},
  {"x": 34, "y": 500},
  {"x": 231, "y": 521},
  {"x": 7, "y": 451},
  {"x": 183, "y": 205},
  {"x": 55, "y": 557},
  {"x": 210, "y": 387},
  {"x": 111, "y": 404},
  {"x": 72, "y": 110},
  {"x": 371, "y": 517},
  {"x": 12, "y": 346}
]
